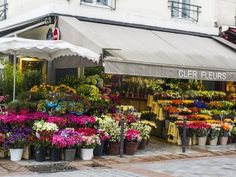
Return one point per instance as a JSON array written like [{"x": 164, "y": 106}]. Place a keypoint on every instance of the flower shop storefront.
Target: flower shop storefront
[
  {"x": 82, "y": 118},
  {"x": 191, "y": 59}
]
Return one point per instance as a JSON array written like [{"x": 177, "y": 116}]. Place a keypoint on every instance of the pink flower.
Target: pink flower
[
  {"x": 132, "y": 135},
  {"x": 60, "y": 121},
  {"x": 82, "y": 120}
]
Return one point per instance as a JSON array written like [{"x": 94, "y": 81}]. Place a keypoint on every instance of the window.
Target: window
[
  {"x": 3, "y": 9},
  {"x": 184, "y": 9},
  {"x": 100, "y": 3}
]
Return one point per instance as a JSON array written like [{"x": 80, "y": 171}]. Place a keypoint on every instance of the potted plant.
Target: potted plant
[
  {"x": 202, "y": 131},
  {"x": 98, "y": 151},
  {"x": 225, "y": 132},
  {"x": 144, "y": 130},
  {"x": 132, "y": 140},
  {"x": 15, "y": 141},
  {"x": 214, "y": 134},
  {"x": 113, "y": 129},
  {"x": 87, "y": 144},
  {"x": 41, "y": 138},
  {"x": 67, "y": 139},
  {"x": 234, "y": 134}
]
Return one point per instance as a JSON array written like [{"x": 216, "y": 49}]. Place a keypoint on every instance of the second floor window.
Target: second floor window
[
  {"x": 96, "y": 2},
  {"x": 184, "y": 9}
]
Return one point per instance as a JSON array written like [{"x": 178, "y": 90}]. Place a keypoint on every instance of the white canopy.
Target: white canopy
[{"x": 43, "y": 49}]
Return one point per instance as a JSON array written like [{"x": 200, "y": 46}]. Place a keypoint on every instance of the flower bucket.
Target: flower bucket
[
  {"x": 131, "y": 147},
  {"x": 55, "y": 154},
  {"x": 70, "y": 154},
  {"x": 213, "y": 142},
  {"x": 223, "y": 140},
  {"x": 16, "y": 154},
  {"x": 194, "y": 140},
  {"x": 98, "y": 151},
  {"x": 113, "y": 148},
  {"x": 40, "y": 154},
  {"x": 87, "y": 153},
  {"x": 142, "y": 144},
  {"x": 230, "y": 139},
  {"x": 202, "y": 141}
]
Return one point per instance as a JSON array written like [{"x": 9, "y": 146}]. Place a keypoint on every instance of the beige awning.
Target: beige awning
[{"x": 143, "y": 52}]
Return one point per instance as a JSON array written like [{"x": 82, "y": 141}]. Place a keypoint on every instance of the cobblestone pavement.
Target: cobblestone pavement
[
  {"x": 222, "y": 166},
  {"x": 156, "y": 154}
]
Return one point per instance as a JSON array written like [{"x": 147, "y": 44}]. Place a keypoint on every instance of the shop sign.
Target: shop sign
[{"x": 202, "y": 75}]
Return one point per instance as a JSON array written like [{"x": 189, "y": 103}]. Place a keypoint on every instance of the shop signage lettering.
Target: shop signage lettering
[{"x": 204, "y": 75}]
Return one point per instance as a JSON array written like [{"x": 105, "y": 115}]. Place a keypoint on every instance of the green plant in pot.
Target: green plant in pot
[
  {"x": 114, "y": 132},
  {"x": 214, "y": 134}
]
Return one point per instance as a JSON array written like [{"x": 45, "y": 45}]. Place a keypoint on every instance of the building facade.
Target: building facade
[{"x": 189, "y": 15}]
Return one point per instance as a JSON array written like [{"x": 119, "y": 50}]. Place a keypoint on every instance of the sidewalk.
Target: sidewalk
[{"x": 156, "y": 151}]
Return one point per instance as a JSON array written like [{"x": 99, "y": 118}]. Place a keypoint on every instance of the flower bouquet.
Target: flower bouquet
[{"x": 202, "y": 130}]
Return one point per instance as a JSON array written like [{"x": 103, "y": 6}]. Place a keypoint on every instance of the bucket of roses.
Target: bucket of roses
[{"x": 88, "y": 140}]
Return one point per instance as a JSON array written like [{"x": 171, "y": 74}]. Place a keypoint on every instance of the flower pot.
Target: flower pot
[
  {"x": 98, "y": 151},
  {"x": 86, "y": 153},
  {"x": 223, "y": 140},
  {"x": 131, "y": 147},
  {"x": 40, "y": 154},
  {"x": 16, "y": 154},
  {"x": 202, "y": 141},
  {"x": 70, "y": 154},
  {"x": 142, "y": 144},
  {"x": 213, "y": 142},
  {"x": 113, "y": 148},
  {"x": 194, "y": 140},
  {"x": 234, "y": 139},
  {"x": 230, "y": 139},
  {"x": 55, "y": 154}
]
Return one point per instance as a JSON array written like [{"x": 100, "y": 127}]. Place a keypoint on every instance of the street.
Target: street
[{"x": 222, "y": 166}]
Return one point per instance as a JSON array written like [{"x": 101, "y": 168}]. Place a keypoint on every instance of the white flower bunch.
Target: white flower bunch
[{"x": 41, "y": 125}]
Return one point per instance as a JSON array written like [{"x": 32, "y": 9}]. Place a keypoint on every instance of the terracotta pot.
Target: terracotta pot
[
  {"x": 131, "y": 147},
  {"x": 142, "y": 144},
  {"x": 113, "y": 148},
  {"x": 202, "y": 141},
  {"x": 223, "y": 140}
]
